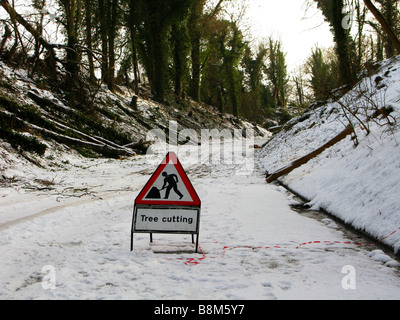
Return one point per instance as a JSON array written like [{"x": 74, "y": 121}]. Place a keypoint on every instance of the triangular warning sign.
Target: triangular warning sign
[{"x": 169, "y": 185}]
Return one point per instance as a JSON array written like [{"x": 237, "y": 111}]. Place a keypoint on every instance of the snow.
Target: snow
[
  {"x": 249, "y": 239},
  {"x": 360, "y": 185},
  {"x": 65, "y": 227}
]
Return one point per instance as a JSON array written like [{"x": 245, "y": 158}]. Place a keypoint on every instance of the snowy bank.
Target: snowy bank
[{"x": 358, "y": 179}]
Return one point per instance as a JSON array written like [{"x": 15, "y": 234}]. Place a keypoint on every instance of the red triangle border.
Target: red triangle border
[{"x": 171, "y": 156}]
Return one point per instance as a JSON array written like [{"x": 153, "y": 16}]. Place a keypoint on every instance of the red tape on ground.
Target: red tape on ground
[
  {"x": 336, "y": 242},
  {"x": 196, "y": 261},
  {"x": 389, "y": 235}
]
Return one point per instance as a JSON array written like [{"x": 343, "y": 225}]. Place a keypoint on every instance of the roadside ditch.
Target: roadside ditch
[{"x": 350, "y": 232}]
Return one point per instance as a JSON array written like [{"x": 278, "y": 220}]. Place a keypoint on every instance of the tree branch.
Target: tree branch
[
  {"x": 299, "y": 162},
  {"x": 15, "y": 15},
  {"x": 386, "y": 27}
]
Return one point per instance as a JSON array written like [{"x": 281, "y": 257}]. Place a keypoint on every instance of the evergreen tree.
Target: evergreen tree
[
  {"x": 254, "y": 66},
  {"x": 323, "y": 70},
  {"x": 180, "y": 43},
  {"x": 153, "y": 21},
  {"x": 195, "y": 28},
  {"x": 221, "y": 83},
  {"x": 71, "y": 18},
  {"x": 299, "y": 81},
  {"x": 212, "y": 86},
  {"x": 232, "y": 53},
  {"x": 277, "y": 72},
  {"x": 334, "y": 12}
]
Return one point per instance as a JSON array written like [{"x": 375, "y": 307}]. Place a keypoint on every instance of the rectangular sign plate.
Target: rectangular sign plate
[{"x": 160, "y": 220}]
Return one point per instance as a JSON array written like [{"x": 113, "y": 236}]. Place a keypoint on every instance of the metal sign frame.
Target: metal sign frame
[{"x": 144, "y": 204}]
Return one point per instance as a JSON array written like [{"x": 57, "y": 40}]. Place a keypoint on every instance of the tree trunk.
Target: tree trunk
[
  {"x": 6, "y": 37},
  {"x": 89, "y": 41},
  {"x": 15, "y": 16},
  {"x": 344, "y": 46},
  {"x": 104, "y": 41},
  {"x": 112, "y": 18},
  {"x": 159, "y": 72},
  {"x": 386, "y": 27},
  {"x": 72, "y": 64},
  {"x": 195, "y": 81},
  {"x": 195, "y": 36},
  {"x": 299, "y": 162},
  {"x": 135, "y": 60}
]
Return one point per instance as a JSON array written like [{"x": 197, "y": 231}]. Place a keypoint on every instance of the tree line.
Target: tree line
[
  {"x": 185, "y": 49},
  {"x": 364, "y": 32}
]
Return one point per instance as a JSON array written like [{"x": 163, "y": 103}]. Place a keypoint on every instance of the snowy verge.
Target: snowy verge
[{"x": 357, "y": 183}]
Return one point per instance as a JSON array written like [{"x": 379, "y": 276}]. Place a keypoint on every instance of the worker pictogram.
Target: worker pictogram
[{"x": 169, "y": 185}]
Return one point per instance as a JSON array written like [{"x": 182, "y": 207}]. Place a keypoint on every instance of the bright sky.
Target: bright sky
[{"x": 288, "y": 21}]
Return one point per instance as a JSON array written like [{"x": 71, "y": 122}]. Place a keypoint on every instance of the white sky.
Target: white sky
[{"x": 288, "y": 21}]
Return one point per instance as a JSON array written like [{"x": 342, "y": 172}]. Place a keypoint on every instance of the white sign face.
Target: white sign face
[
  {"x": 170, "y": 187},
  {"x": 166, "y": 220}
]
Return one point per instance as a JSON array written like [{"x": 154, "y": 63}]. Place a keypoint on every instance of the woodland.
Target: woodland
[{"x": 179, "y": 50}]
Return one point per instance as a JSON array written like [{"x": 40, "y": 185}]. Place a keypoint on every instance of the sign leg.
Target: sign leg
[
  {"x": 132, "y": 228},
  {"x": 151, "y": 238},
  {"x": 197, "y": 243}
]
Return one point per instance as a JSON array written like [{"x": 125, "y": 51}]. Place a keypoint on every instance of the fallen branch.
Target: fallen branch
[
  {"x": 299, "y": 162},
  {"x": 114, "y": 145},
  {"x": 73, "y": 193},
  {"x": 95, "y": 139},
  {"x": 141, "y": 142},
  {"x": 103, "y": 149},
  {"x": 65, "y": 127},
  {"x": 98, "y": 146},
  {"x": 48, "y": 104}
]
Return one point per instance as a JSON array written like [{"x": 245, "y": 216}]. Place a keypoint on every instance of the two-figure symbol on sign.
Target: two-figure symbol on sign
[{"x": 170, "y": 182}]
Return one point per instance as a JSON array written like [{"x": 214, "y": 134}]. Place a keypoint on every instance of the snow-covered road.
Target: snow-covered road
[{"x": 71, "y": 240}]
